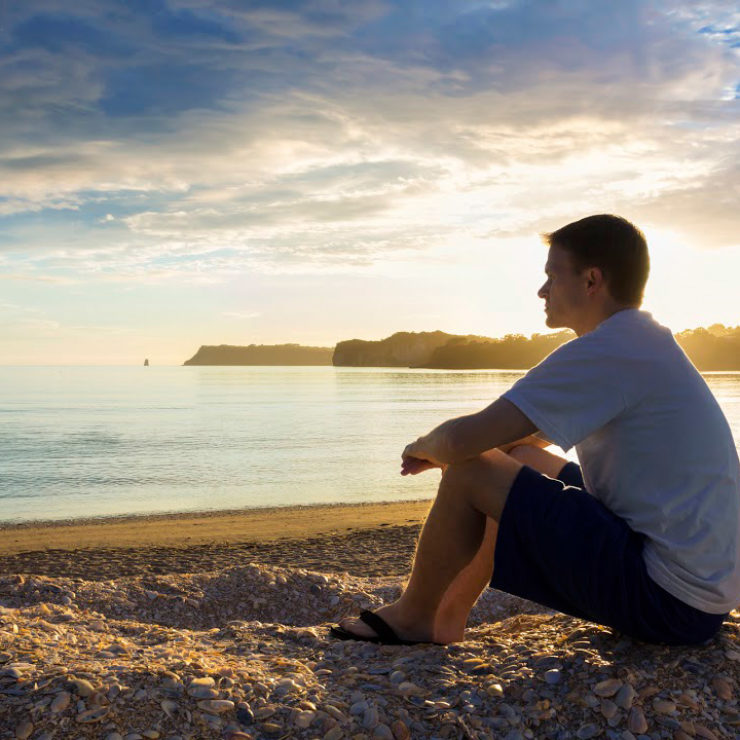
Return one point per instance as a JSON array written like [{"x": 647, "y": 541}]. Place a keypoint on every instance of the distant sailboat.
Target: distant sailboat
[{"x": 146, "y": 362}]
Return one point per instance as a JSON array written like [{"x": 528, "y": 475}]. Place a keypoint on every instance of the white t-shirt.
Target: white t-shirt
[{"x": 654, "y": 447}]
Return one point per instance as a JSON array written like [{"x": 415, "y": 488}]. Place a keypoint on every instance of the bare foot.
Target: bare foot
[
  {"x": 446, "y": 634},
  {"x": 394, "y": 617}
]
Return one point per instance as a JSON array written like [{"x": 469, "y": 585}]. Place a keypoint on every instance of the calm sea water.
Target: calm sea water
[{"x": 99, "y": 441}]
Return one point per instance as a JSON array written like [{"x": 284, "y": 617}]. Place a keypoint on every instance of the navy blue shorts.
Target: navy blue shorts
[{"x": 561, "y": 547}]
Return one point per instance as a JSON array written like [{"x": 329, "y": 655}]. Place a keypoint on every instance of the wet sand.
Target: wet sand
[
  {"x": 365, "y": 539},
  {"x": 255, "y": 525}
]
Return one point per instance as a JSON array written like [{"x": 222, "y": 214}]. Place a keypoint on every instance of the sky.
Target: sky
[{"x": 182, "y": 173}]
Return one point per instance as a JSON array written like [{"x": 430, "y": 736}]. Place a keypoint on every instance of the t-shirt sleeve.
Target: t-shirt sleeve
[{"x": 572, "y": 393}]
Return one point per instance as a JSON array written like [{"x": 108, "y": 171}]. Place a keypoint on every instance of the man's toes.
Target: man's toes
[{"x": 357, "y": 627}]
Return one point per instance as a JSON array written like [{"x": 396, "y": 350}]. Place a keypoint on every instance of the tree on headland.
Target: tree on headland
[
  {"x": 402, "y": 349},
  {"x": 512, "y": 352},
  {"x": 714, "y": 348}
]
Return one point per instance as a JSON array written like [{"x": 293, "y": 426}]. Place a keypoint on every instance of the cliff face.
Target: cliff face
[
  {"x": 403, "y": 349},
  {"x": 261, "y": 354}
]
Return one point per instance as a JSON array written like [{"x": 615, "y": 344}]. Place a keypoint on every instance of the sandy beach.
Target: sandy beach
[{"x": 215, "y": 626}]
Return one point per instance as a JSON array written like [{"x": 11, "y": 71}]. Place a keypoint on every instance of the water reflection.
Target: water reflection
[{"x": 97, "y": 441}]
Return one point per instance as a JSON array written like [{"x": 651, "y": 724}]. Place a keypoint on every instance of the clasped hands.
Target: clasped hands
[
  {"x": 418, "y": 457},
  {"x": 422, "y": 455}
]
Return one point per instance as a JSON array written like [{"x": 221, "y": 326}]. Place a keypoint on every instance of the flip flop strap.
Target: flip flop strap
[{"x": 382, "y": 629}]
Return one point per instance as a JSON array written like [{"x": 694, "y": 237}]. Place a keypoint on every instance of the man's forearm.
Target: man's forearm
[{"x": 465, "y": 437}]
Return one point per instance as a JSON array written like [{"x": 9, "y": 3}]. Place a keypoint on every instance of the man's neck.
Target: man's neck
[{"x": 607, "y": 311}]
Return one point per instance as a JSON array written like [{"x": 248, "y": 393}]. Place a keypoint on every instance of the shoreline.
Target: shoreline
[{"x": 227, "y": 527}]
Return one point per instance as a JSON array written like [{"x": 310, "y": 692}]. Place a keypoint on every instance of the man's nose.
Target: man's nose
[{"x": 542, "y": 292}]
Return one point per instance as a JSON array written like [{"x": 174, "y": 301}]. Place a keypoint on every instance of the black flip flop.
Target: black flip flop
[{"x": 384, "y": 634}]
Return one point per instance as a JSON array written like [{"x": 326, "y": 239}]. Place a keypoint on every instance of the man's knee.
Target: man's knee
[
  {"x": 461, "y": 475},
  {"x": 484, "y": 480}
]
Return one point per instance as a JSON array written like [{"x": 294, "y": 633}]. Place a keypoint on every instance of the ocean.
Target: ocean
[{"x": 78, "y": 442}]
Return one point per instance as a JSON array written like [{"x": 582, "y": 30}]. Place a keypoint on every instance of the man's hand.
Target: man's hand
[
  {"x": 414, "y": 466},
  {"x": 418, "y": 457},
  {"x": 530, "y": 440}
]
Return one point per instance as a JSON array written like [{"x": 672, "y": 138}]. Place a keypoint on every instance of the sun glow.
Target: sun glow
[{"x": 689, "y": 287}]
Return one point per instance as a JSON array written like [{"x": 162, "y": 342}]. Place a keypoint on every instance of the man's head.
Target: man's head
[{"x": 595, "y": 267}]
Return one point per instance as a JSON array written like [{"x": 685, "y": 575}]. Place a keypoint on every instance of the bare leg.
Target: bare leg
[
  {"x": 450, "y": 541},
  {"x": 464, "y": 591},
  {"x": 541, "y": 460}
]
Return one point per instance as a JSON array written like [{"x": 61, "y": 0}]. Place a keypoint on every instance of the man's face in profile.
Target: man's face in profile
[{"x": 564, "y": 291}]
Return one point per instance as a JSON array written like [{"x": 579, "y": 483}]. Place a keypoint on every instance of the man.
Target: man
[{"x": 644, "y": 535}]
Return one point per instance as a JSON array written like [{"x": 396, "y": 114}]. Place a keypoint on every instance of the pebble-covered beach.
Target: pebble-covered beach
[{"x": 231, "y": 641}]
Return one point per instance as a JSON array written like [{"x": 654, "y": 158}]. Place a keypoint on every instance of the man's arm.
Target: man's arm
[
  {"x": 466, "y": 437},
  {"x": 535, "y": 440}
]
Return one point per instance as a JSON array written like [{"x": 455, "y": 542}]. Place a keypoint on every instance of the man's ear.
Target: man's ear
[{"x": 594, "y": 280}]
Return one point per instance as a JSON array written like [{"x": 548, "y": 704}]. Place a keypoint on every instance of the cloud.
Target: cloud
[
  {"x": 698, "y": 208},
  {"x": 20, "y": 322},
  {"x": 242, "y": 314},
  {"x": 181, "y": 139}
]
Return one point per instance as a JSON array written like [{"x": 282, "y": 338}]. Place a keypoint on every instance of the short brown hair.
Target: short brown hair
[{"x": 614, "y": 245}]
